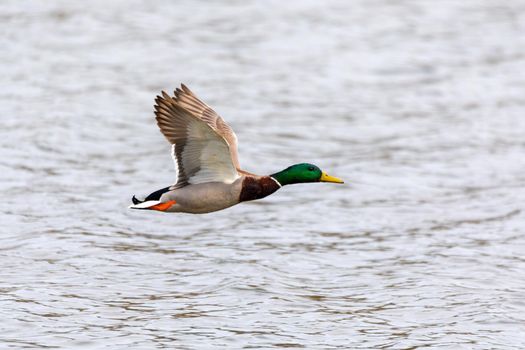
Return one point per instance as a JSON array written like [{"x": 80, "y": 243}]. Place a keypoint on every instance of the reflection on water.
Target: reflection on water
[{"x": 419, "y": 106}]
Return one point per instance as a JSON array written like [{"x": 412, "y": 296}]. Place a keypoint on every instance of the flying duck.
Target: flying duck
[{"x": 204, "y": 149}]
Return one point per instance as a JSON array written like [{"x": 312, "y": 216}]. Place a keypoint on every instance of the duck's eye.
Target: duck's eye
[{"x": 311, "y": 168}]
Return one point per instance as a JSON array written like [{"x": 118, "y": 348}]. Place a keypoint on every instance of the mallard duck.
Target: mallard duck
[{"x": 204, "y": 149}]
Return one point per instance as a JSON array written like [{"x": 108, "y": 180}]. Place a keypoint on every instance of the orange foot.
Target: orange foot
[{"x": 162, "y": 206}]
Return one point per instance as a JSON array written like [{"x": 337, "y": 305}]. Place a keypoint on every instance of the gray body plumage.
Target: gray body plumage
[{"x": 217, "y": 195}]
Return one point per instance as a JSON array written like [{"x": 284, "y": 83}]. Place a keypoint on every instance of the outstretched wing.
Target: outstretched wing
[
  {"x": 185, "y": 98},
  {"x": 200, "y": 152}
]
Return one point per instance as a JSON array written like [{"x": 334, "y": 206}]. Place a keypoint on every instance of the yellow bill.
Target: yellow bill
[{"x": 327, "y": 178}]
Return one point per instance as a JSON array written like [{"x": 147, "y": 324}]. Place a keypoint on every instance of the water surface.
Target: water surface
[{"x": 418, "y": 105}]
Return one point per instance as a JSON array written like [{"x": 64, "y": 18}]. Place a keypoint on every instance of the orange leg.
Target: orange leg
[{"x": 162, "y": 206}]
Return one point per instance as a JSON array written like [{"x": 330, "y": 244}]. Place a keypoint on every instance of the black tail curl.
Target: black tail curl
[
  {"x": 135, "y": 200},
  {"x": 155, "y": 196}
]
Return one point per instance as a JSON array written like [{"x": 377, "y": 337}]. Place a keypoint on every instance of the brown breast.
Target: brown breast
[{"x": 257, "y": 187}]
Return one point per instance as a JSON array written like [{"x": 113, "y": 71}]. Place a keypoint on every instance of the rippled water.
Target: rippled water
[{"x": 418, "y": 105}]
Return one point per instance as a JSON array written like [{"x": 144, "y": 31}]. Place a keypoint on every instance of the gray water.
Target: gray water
[{"x": 418, "y": 105}]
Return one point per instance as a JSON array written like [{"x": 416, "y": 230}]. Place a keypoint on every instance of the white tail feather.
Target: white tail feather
[{"x": 144, "y": 205}]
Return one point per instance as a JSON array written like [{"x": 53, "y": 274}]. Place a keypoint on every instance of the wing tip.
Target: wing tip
[
  {"x": 182, "y": 90},
  {"x": 185, "y": 88},
  {"x": 165, "y": 95}
]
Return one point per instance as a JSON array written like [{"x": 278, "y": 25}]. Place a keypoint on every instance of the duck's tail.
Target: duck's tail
[
  {"x": 150, "y": 201},
  {"x": 135, "y": 200},
  {"x": 138, "y": 204}
]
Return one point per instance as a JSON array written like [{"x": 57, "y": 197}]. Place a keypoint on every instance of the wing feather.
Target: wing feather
[
  {"x": 189, "y": 101},
  {"x": 200, "y": 152}
]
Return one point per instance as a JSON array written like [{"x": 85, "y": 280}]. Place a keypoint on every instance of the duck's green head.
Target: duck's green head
[{"x": 302, "y": 173}]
